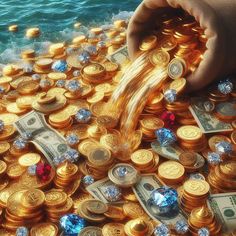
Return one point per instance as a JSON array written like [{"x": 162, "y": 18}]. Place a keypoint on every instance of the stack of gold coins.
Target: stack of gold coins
[
  {"x": 203, "y": 217},
  {"x": 148, "y": 125},
  {"x": 78, "y": 41},
  {"x": 57, "y": 50},
  {"x": 145, "y": 160},
  {"x": 93, "y": 210},
  {"x": 66, "y": 173},
  {"x": 29, "y": 159},
  {"x": 195, "y": 194},
  {"x": 13, "y": 28},
  {"x": 28, "y": 55},
  {"x": 113, "y": 228},
  {"x": 216, "y": 96},
  {"x": 222, "y": 178},
  {"x": 12, "y": 70},
  {"x": 192, "y": 161},
  {"x": 139, "y": 226},
  {"x": 44, "y": 229},
  {"x": 57, "y": 204},
  {"x": 99, "y": 162},
  {"x": 171, "y": 172},
  {"x": 111, "y": 69},
  {"x": 95, "y": 131},
  {"x": 24, "y": 207},
  {"x": 33, "y": 32},
  {"x": 60, "y": 120},
  {"x": 191, "y": 138},
  {"x": 43, "y": 65}
]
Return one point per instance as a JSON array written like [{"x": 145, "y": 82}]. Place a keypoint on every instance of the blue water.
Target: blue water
[{"x": 55, "y": 18}]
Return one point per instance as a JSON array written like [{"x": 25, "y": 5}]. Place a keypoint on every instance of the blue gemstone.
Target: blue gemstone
[
  {"x": 71, "y": 155},
  {"x": 61, "y": 83},
  {"x": 36, "y": 77},
  {"x": 2, "y": 90},
  {"x": 225, "y": 87},
  {"x": 72, "y": 139},
  {"x": 165, "y": 137},
  {"x": 72, "y": 224},
  {"x": 214, "y": 158},
  {"x": 87, "y": 180},
  {"x": 162, "y": 230},
  {"x": 84, "y": 57},
  {"x": 170, "y": 95},
  {"x": 1, "y": 125},
  {"x": 22, "y": 231},
  {"x": 59, "y": 66},
  {"x": 203, "y": 232},
  {"x": 73, "y": 85},
  {"x": 122, "y": 171},
  {"x": 181, "y": 227},
  {"x": 92, "y": 50},
  {"x": 112, "y": 193},
  {"x": 20, "y": 143},
  {"x": 44, "y": 83},
  {"x": 58, "y": 160},
  {"x": 223, "y": 147},
  {"x": 83, "y": 115}
]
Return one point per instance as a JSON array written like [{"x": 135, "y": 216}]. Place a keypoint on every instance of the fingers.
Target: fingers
[{"x": 141, "y": 22}]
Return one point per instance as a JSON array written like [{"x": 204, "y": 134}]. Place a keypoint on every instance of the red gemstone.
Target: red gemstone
[
  {"x": 43, "y": 171},
  {"x": 169, "y": 119}
]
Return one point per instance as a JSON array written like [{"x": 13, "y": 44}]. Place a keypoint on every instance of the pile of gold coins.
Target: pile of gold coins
[{"x": 39, "y": 203}]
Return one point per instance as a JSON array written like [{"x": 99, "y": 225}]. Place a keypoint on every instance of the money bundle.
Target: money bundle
[{"x": 112, "y": 147}]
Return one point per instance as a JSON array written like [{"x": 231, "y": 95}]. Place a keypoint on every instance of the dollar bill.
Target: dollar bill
[
  {"x": 224, "y": 207},
  {"x": 98, "y": 188},
  {"x": 46, "y": 139},
  {"x": 171, "y": 152},
  {"x": 208, "y": 123},
  {"x": 143, "y": 190},
  {"x": 120, "y": 56}
]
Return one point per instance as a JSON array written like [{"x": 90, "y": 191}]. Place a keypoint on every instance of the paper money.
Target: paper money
[
  {"x": 120, "y": 56},
  {"x": 224, "y": 207},
  {"x": 97, "y": 189},
  {"x": 46, "y": 139},
  {"x": 208, "y": 123},
  {"x": 143, "y": 190},
  {"x": 171, "y": 152}
]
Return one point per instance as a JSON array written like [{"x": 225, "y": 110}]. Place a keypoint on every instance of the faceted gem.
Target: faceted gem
[
  {"x": 72, "y": 139},
  {"x": 2, "y": 90},
  {"x": 71, "y": 155},
  {"x": 43, "y": 171},
  {"x": 165, "y": 137},
  {"x": 92, "y": 50},
  {"x": 87, "y": 180},
  {"x": 73, "y": 85},
  {"x": 44, "y": 83},
  {"x": 59, "y": 66},
  {"x": 223, "y": 147},
  {"x": 170, "y": 95},
  {"x": 22, "y": 231},
  {"x": 169, "y": 119},
  {"x": 161, "y": 230},
  {"x": 84, "y": 57},
  {"x": 203, "y": 232},
  {"x": 27, "y": 135},
  {"x": 1, "y": 125},
  {"x": 59, "y": 160},
  {"x": 61, "y": 83},
  {"x": 76, "y": 73},
  {"x": 164, "y": 197},
  {"x": 122, "y": 171},
  {"x": 196, "y": 176},
  {"x": 214, "y": 158},
  {"x": 181, "y": 227},
  {"x": 225, "y": 87},
  {"x": 83, "y": 115},
  {"x": 32, "y": 169},
  {"x": 112, "y": 193},
  {"x": 36, "y": 77},
  {"x": 20, "y": 143},
  {"x": 72, "y": 224}
]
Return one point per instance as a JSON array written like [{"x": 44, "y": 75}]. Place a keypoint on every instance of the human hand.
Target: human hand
[{"x": 216, "y": 17}]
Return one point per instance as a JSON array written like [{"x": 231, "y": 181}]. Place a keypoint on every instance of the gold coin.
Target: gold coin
[
  {"x": 196, "y": 187},
  {"x": 104, "y": 87},
  {"x": 96, "y": 30},
  {"x": 188, "y": 158},
  {"x": 159, "y": 58},
  {"x": 133, "y": 210},
  {"x": 171, "y": 170},
  {"x": 80, "y": 130},
  {"x": 99, "y": 156},
  {"x": 44, "y": 229},
  {"x": 142, "y": 157},
  {"x": 152, "y": 123},
  {"x": 57, "y": 76},
  {"x": 148, "y": 43},
  {"x": 27, "y": 87},
  {"x": 5, "y": 80},
  {"x": 115, "y": 213},
  {"x": 59, "y": 117},
  {"x": 8, "y": 119},
  {"x": 55, "y": 198},
  {"x": 94, "y": 69},
  {"x": 54, "y": 91},
  {"x": 110, "y": 141},
  {"x": 87, "y": 145},
  {"x": 91, "y": 230},
  {"x": 3, "y": 167},
  {"x": 29, "y": 159},
  {"x": 178, "y": 84},
  {"x": 176, "y": 68},
  {"x": 13, "y": 108},
  {"x": 15, "y": 170},
  {"x": 96, "y": 206},
  {"x": 96, "y": 97},
  {"x": 212, "y": 141},
  {"x": 4, "y": 147},
  {"x": 33, "y": 198},
  {"x": 229, "y": 168},
  {"x": 25, "y": 102},
  {"x": 111, "y": 66},
  {"x": 189, "y": 133},
  {"x": 113, "y": 229},
  {"x": 106, "y": 121},
  {"x": 12, "y": 28},
  {"x": 233, "y": 137}
]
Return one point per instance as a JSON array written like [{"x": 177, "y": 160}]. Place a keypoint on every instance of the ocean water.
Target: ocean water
[{"x": 55, "y": 18}]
